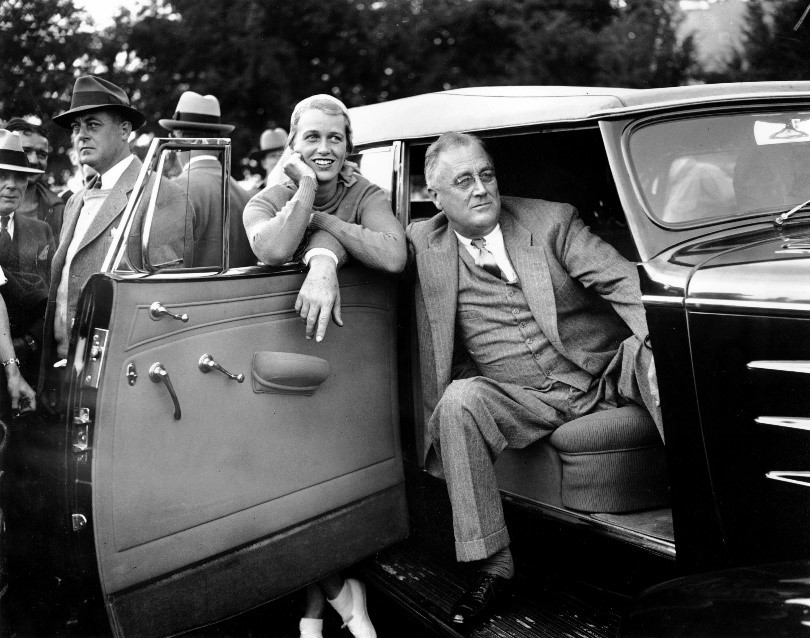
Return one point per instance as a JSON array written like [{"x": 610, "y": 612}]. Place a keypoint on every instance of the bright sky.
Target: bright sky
[{"x": 103, "y": 10}]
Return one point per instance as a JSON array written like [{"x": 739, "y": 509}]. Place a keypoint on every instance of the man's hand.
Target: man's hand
[
  {"x": 296, "y": 168},
  {"x": 23, "y": 398},
  {"x": 319, "y": 297}
]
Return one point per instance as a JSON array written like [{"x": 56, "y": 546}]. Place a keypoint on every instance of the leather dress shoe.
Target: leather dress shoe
[{"x": 479, "y": 600}]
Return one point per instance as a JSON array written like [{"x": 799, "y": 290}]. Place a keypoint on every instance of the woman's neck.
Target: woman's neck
[{"x": 326, "y": 191}]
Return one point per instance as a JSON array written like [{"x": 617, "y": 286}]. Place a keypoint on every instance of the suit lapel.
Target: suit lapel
[
  {"x": 531, "y": 265},
  {"x": 440, "y": 290},
  {"x": 114, "y": 205},
  {"x": 71, "y": 217}
]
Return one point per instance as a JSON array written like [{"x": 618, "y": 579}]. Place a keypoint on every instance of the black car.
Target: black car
[{"x": 172, "y": 494}]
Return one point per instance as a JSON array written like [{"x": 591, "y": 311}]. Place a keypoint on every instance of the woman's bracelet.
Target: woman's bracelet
[{"x": 13, "y": 360}]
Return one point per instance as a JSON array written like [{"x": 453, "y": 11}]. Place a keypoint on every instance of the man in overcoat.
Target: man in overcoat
[
  {"x": 201, "y": 179},
  {"x": 526, "y": 320}
]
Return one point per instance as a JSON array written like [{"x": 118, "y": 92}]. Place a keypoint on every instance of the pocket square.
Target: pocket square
[{"x": 43, "y": 254}]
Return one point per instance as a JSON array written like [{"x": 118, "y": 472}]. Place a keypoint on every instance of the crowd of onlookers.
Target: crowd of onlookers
[{"x": 34, "y": 205}]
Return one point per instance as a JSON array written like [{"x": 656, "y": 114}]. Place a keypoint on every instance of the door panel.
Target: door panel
[{"x": 238, "y": 466}]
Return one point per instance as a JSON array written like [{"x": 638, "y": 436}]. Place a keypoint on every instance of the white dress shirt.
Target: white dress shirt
[{"x": 494, "y": 244}]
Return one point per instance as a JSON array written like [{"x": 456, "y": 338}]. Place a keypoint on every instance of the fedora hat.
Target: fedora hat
[
  {"x": 12, "y": 156},
  {"x": 273, "y": 139},
  {"x": 91, "y": 93},
  {"x": 197, "y": 112}
]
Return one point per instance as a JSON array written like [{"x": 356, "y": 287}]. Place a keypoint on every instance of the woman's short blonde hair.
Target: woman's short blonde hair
[{"x": 326, "y": 104}]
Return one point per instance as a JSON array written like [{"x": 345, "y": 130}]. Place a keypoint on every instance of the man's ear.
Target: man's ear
[
  {"x": 434, "y": 197},
  {"x": 126, "y": 129}
]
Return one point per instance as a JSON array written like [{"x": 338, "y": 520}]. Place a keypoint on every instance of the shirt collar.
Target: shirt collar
[
  {"x": 110, "y": 177},
  {"x": 494, "y": 236}
]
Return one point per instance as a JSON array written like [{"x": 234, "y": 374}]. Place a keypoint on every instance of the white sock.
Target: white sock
[{"x": 311, "y": 627}]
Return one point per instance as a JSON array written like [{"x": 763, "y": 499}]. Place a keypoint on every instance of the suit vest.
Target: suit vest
[{"x": 498, "y": 330}]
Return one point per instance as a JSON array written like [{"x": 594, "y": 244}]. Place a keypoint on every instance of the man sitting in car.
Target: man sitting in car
[{"x": 526, "y": 321}]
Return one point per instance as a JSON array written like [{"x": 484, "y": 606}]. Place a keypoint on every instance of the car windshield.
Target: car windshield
[{"x": 703, "y": 168}]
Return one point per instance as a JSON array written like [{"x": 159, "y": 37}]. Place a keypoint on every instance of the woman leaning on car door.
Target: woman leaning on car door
[{"x": 322, "y": 210}]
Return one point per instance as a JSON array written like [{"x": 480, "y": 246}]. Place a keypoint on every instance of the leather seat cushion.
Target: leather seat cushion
[{"x": 612, "y": 461}]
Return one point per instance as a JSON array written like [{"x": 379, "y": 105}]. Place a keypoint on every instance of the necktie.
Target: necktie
[
  {"x": 96, "y": 182},
  {"x": 5, "y": 240},
  {"x": 485, "y": 259}
]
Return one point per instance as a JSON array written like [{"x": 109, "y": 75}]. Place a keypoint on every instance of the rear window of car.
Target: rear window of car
[{"x": 700, "y": 169}]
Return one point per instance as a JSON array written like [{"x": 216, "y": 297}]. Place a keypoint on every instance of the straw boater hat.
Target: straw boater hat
[
  {"x": 197, "y": 112},
  {"x": 12, "y": 156},
  {"x": 273, "y": 139},
  {"x": 91, "y": 93}
]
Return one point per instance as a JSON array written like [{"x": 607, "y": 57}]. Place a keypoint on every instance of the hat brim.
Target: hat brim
[
  {"x": 259, "y": 155},
  {"x": 20, "y": 169},
  {"x": 174, "y": 125},
  {"x": 65, "y": 120}
]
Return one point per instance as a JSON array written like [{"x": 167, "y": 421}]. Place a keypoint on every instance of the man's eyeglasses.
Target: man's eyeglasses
[{"x": 466, "y": 182}]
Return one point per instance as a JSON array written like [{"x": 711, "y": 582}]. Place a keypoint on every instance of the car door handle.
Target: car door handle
[
  {"x": 207, "y": 363},
  {"x": 157, "y": 311},
  {"x": 288, "y": 373},
  {"x": 158, "y": 374}
]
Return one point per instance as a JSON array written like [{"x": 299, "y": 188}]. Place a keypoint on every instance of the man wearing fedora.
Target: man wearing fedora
[
  {"x": 40, "y": 202},
  {"x": 201, "y": 178},
  {"x": 26, "y": 250},
  {"x": 21, "y": 296},
  {"x": 271, "y": 147},
  {"x": 101, "y": 120}
]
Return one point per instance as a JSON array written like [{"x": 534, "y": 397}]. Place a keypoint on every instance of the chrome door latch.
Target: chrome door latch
[{"x": 95, "y": 357}]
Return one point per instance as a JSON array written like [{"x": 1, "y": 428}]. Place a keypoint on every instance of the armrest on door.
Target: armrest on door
[{"x": 288, "y": 373}]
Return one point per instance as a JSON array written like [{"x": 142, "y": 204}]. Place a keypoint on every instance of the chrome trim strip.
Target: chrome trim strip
[
  {"x": 784, "y": 422},
  {"x": 801, "y": 367},
  {"x": 786, "y": 477},
  {"x": 661, "y": 300},
  {"x": 697, "y": 304}
]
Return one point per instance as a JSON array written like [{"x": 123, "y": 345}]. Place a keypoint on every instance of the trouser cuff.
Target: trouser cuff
[{"x": 482, "y": 548}]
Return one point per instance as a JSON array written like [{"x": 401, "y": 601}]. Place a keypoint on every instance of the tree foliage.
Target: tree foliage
[
  {"x": 260, "y": 57},
  {"x": 41, "y": 44},
  {"x": 773, "y": 49}
]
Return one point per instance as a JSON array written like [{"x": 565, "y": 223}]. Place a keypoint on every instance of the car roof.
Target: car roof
[{"x": 492, "y": 108}]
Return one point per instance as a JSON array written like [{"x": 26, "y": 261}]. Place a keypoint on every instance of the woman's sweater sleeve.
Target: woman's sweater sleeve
[
  {"x": 274, "y": 227},
  {"x": 376, "y": 241}
]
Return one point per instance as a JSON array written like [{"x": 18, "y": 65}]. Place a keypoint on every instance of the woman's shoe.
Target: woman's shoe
[{"x": 355, "y": 615}]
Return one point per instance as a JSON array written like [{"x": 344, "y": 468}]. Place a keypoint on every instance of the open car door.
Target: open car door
[{"x": 215, "y": 458}]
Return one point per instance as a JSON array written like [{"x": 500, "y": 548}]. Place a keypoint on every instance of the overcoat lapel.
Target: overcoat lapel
[
  {"x": 440, "y": 290},
  {"x": 115, "y": 203},
  {"x": 531, "y": 264}
]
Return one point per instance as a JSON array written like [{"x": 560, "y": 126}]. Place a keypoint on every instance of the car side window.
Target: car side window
[
  {"x": 175, "y": 217},
  {"x": 377, "y": 165}
]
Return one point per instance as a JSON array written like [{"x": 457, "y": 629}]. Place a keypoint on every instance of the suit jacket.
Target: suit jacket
[
  {"x": 565, "y": 272},
  {"x": 35, "y": 246},
  {"x": 201, "y": 179},
  {"x": 170, "y": 238}
]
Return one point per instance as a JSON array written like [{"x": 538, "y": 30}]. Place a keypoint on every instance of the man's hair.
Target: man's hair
[
  {"x": 446, "y": 142},
  {"x": 326, "y": 104},
  {"x": 21, "y": 125}
]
